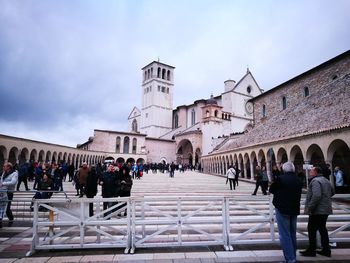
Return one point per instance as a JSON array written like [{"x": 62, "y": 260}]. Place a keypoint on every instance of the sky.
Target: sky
[{"x": 69, "y": 67}]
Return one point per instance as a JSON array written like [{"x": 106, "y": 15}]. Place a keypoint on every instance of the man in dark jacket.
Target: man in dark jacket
[
  {"x": 286, "y": 192},
  {"x": 318, "y": 205},
  {"x": 108, "y": 181}
]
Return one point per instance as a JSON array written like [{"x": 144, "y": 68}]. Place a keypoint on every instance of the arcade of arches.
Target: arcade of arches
[
  {"x": 317, "y": 150},
  {"x": 18, "y": 150}
]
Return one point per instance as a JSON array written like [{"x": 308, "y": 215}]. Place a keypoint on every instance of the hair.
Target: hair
[
  {"x": 288, "y": 167},
  {"x": 9, "y": 164}
]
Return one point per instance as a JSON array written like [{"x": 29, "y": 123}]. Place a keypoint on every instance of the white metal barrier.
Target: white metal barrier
[{"x": 168, "y": 222}]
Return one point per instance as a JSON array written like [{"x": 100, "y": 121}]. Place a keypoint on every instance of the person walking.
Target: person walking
[
  {"x": 231, "y": 173},
  {"x": 318, "y": 205},
  {"x": 23, "y": 176},
  {"x": 286, "y": 190},
  {"x": 8, "y": 182},
  {"x": 339, "y": 180},
  {"x": 259, "y": 180}
]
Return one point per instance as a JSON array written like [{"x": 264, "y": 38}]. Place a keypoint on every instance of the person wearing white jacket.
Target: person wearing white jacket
[{"x": 8, "y": 182}]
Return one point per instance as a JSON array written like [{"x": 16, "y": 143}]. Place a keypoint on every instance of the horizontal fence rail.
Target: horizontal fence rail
[{"x": 145, "y": 222}]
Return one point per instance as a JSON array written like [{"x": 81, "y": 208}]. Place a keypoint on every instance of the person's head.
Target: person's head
[
  {"x": 45, "y": 177},
  {"x": 258, "y": 168},
  {"x": 336, "y": 168},
  {"x": 110, "y": 168},
  {"x": 288, "y": 167},
  {"x": 314, "y": 171},
  {"x": 7, "y": 167},
  {"x": 85, "y": 165}
]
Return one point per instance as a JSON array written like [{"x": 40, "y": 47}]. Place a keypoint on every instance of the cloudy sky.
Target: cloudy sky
[{"x": 68, "y": 67}]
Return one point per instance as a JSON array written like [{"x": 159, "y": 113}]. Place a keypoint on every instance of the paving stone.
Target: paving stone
[{"x": 71, "y": 259}]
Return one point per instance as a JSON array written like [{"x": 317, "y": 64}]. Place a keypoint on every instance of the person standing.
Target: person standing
[
  {"x": 91, "y": 187},
  {"x": 237, "y": 174},
  {"x": 339, "y": 180},
  {"x": 8, "y": 182},
  {"x": 124, "y": 184},
  {"x": 82, "y": 175},
  {"x": 108, "y": 181},
  {"x": 231, "y": 173},
  {"x": 172, "y": 169},
  {"x": 286, "y": 190},
  {"x": 318, "y": 205}
]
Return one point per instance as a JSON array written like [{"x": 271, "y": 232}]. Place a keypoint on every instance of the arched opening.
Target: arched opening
[
  {"x": 13, "y": 155},
  {"x": 134, "y": 125},
  {"x": 163, "y": 73},
  {"x": 33, "y": 155},
  {"x": 315, "y": 155},
  {"x": 176, "y": 121},
  {"x": 284, "y": 103},
  {"x": 23, "y": 156},
  {"x": 184, "y": 152},
  {"x": 168, "y": 75},
  {"x": 130, "y": 161},
  {"x": 140, "y": 161},
  {"x": 120, "y": 160},
  {"x": 193, "y": 117},
  {"x": 117, "y": 145},
  {"x": 158, "y": 73},
  {"x": 3, "y": 153},
  {"x": 134, "y": 145}
]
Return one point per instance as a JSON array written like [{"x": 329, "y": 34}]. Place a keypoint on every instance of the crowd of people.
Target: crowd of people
[{"x": 116, "y": 180}]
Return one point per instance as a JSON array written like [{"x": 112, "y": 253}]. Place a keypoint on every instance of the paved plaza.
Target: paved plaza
[{"x": 15, "y": 240}]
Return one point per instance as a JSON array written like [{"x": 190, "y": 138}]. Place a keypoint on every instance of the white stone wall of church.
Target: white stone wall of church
[
  {"x": 156, "y": 150},
  {"x": 209, "y": 131}
]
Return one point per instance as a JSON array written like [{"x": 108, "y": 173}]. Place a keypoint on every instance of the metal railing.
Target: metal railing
[{"x": 168, "y": 222}]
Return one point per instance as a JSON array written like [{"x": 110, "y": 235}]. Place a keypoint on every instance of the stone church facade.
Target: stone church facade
[
  {"x": 305, "y": 120},
  {"x": 159, "y": 133}
]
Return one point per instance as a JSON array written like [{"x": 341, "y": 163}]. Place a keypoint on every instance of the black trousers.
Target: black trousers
[
  {"x": 8, "y": 209},
  {"x": 232, "y": 183},
  {"x": 318, "y": 223}
]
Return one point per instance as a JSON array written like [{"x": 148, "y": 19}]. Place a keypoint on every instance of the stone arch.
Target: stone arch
[
  {"x": 13, "y": 155},
  {"x": 296, "y": 156},
  {"x": 130, "y": 160},
  {"x": 247, "y": 165},
  {"x": 41, "y": 157},
  {"x": 54, "y": 157},
  {"x": 59, "y": 157},
  {"x": 120, "y": 160},
  {"x": 23, "y": 156},
  {"x": 140, "y": 161},
  {"x": 315, "y": 155},
  {"x": 33, "y": 156},
  {"x": 184, "y": 152},
  {"x": 261, "y": 158},
  {"x": 282, "y": 156},
  {"x": 338, "y": 154},
  {"x": 3, "y": 156}
]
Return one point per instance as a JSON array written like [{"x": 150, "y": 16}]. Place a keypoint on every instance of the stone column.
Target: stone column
[{"x": 251, "y": 171}]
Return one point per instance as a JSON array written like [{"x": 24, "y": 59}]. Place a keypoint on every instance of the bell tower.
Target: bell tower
[{"x": 157, "y": 99}]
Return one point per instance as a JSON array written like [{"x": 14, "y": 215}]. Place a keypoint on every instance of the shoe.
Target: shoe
[
  {"x": 253, "y": 194},
  {"x": 76, "y": 194},
  {"x": 28, "y": 189},
  {"x": 326, "y": 253},
  {"x": 308, "y": 253}
]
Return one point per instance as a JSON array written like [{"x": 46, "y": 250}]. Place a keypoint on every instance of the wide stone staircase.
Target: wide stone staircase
[{"x": 192, "y": 211}]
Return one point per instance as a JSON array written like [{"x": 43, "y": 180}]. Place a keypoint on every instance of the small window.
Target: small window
[
  {"x": 284, "y": 103},
  {"x": 163, "y": 89},
  {"x": 249, "y": 89},
  {"x": 207, "y": 113},
  {"x": 264, "y": 110},
  {"x": 306, "y": 91},
  {"x": 216, "y": 113},
  {"x": 158, "y": 88},
  {"x": 167, "y": 90},
  {"x": 334, "y": 77},
  {"x": 150, "y": 88}
]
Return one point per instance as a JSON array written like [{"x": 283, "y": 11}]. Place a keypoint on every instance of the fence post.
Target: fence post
[{"x": 272, "y": 219}]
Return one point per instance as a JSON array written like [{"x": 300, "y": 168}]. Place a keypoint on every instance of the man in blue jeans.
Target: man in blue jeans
[{"x": 286, "y": 192}]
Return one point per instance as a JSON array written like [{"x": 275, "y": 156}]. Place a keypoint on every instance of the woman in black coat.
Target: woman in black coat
[
  {"x": 125, "y": 184},
  {"x": 91, "y": 187}
]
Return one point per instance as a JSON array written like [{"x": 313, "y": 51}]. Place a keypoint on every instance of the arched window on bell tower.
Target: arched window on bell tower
[
  {"x": 158, "y": 73},
  {"x": 163, "y": 73},
  {"x": 168, "y": 75}
]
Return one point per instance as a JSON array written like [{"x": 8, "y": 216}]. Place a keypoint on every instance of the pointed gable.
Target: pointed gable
[{"x": 134, "y": 113}]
